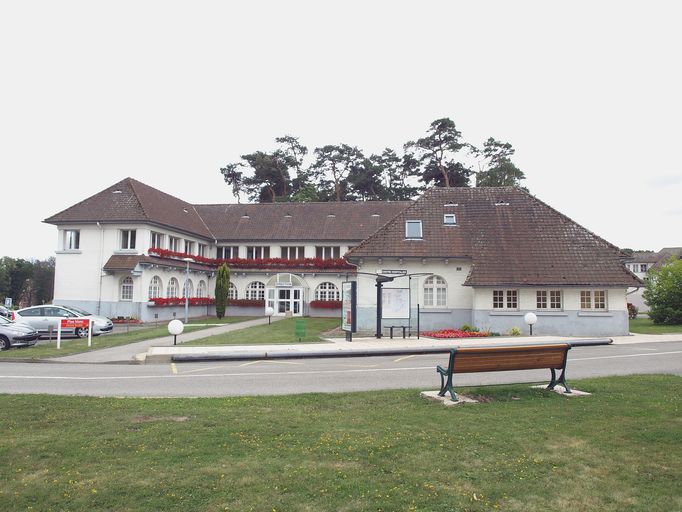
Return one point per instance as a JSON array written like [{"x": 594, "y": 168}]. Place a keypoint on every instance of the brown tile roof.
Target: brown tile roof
[
  {"x": 298, "y": 222},
  {"x": 128, "y": 262},
  {"x": 511, "y": 237},
  {"x": 664, "y": 255},
  {"x": 132, "y": 201}
]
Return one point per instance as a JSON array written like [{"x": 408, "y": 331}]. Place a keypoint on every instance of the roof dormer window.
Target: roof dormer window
[
  {"x": 449, "y": 219},
  {"x": 413, "y": 229}
]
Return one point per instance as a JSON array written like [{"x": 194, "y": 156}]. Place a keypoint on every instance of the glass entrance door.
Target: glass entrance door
[{"x": 289, "y": 299}]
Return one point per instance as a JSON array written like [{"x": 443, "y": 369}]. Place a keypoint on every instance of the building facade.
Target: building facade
[{"x": 481, "y": 256}]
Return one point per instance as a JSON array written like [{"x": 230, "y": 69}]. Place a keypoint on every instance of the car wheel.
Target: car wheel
[
  {"x": 82, "y": 333},
  {"x": 4, "y": 343}
]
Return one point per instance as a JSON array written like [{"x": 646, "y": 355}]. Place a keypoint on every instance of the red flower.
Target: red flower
[
  {"x": 455, "y": 333},
  {"x": 325, "y": 304}
]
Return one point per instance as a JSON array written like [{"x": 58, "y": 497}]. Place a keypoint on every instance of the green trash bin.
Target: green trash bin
[{"x": 300, "y": 329}]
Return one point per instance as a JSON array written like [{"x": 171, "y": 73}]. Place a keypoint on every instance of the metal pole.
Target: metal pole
[
  {"x": 187, "y": 293},
  {"x": 379, "y": 285}
]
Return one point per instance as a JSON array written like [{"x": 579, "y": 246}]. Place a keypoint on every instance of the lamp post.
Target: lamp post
[
  {"x": 175, "y": 327},
  {"x": 530, "y": 319},
  {"x": 187, "y": 260}
]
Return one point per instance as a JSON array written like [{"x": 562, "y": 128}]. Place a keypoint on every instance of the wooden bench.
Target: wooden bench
[{"x": 499, "y": 359}]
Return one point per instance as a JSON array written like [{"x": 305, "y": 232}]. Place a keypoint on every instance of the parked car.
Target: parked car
[
  {"x": 5, "y": 312},
  {"x": 46, "y": 318},
  {"x": 13, "y": 334}
]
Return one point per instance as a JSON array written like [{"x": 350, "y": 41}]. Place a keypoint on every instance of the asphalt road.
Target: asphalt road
[{"x": 313, "y": 375}]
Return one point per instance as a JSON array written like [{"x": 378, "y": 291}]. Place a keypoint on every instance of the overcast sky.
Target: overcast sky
[{"x": 589, "y": 94}]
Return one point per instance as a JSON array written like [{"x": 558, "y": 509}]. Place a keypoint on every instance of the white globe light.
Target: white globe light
[
  {"x": 269, "y": 311},
  {"x": 530, "y": 318},
  {"x": 175, "y": 327}
]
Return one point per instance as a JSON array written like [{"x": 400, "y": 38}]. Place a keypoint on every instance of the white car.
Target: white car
[{"x": 46, "y": 318}]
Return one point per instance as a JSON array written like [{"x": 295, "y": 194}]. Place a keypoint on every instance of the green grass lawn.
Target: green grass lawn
[
  {"x": 523, "y": 450},
  {"x": 281, "y": 331},
  {"x": 71, "y": 346},
  {"x": 647, "y": 326}
]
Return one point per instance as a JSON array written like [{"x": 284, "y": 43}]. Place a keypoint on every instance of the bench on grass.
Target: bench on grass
[{"x": 499, "y": 359}]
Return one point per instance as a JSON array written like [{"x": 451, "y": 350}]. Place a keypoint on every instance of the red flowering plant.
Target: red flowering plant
[
  {"x": 325, "y": 304},
  {"x": 274, "y": 263},
  {"x": 180, "y": 301},
  {"x": 246, "y": 303},
  {"x": 455, "y": 333}
]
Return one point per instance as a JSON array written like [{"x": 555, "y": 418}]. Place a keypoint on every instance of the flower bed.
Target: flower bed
[
  {"x": 455, "y": 333},
  {"x": 325, "y": 304},
  {"x": 274, "y": 263},
  {"x": 246, "y": 303},
  {"x": 180, "y": 301}
]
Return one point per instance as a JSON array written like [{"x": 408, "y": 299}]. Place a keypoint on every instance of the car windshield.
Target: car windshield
[{"x": 77, "y": 310}]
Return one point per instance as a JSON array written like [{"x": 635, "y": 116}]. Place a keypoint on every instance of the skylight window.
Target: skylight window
[
  {"x": 449, "y": 219},
  {"x": 413, "y": 229}
]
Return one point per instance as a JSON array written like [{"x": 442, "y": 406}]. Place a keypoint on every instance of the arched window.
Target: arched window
[
  {"x": 172, "y": 289},
  {"x": 327, "y": 291},
  {"x": 127, "y": 288},
  {"x": 155, "y": 287},
  {"x": 435, "y": 292},
  {"x": 201, "y": 289},
  {"x": 188, "y": 289},
  {"x": 255, "y": 290},
  {"x": 232, "y": 292}
]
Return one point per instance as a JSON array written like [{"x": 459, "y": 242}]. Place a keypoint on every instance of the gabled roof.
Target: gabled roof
[
  {"x": 511, "y": 238},
  {"x": 132, "y": 201},
  {"x": 298, "y": 222}
]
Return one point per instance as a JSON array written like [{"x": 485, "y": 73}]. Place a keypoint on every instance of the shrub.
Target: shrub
[
  {"x": 222, "y": 289},
  {"x": 325, "y": 304},
  {"x": 468, "y": 328},
  {"x": 514, "y": 331},
  {"x": 632, "y": 311},
  {"x": 663, "y": 293}
]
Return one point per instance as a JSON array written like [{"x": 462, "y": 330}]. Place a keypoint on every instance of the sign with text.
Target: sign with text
[
  {"x": 72, "y": 323},
  {"x": 348, "y": 305},
  {"x": 8, "y": 302}
]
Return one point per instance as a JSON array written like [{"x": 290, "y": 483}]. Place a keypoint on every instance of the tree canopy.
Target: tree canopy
[
  {"x": 663, "y": 293},
  {"x": 343, "y": 172}
]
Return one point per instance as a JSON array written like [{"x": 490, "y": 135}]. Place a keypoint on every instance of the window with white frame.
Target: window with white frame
[
  {"x": 201, "y": 289},
  {"x": 548, "y": 299},
  {"x": 593, "y": 299},
  {"x": 328, "y": 252},
  {"x": 643, "y": 267},
  {"x": 188, "y": 289},
  {"x": 128, "y": 238},
  {"x": 293, "y": 253},
  {"x": 189, "y": 247},
  {"x": 172, "y": 288},
  {"x": 435, "y": 292},
  {"x": 127, "y": 288},
  {"x": 201, "y": 250},
  {"x": 173, "y": 243},
  {"x": 157, "y": 240},
  {"x": 228, "y": 253},
  {"x": 413, "y": 229},
  {"x": 326, "y": 291},
  {"x": 155, "y": 287},
  {"x": 449, "y": 219},
  {"x": 505, "y": 299},
  {"x": 257, "y": 252},
  {"x": 232, "y": 292},
  {"x": 255, "y": 290},
  {"x": 72, "y": 239}
]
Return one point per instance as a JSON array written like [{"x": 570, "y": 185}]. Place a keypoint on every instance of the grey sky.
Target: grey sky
[{"x": 589, "y": 94}]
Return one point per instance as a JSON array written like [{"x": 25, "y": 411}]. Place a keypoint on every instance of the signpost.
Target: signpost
[
  {"x": 348, "y": 308},
  {"x": 8, "y": 302},
  {"x": 74, "y": 323}
]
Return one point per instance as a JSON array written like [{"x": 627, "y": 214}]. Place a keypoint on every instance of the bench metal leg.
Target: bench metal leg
[
  {"x": 446, "y": 387},
  {"x": 562, "y": 380}
]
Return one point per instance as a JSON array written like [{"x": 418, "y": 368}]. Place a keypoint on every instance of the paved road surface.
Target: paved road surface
[{"x": 312, "y": 375}]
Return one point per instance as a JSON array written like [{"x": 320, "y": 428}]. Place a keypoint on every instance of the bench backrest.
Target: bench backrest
[{"x": 490, "y": 359}]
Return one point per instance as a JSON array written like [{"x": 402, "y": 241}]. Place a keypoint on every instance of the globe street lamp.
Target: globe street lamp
[
  {"x": 187, "y": 260},
  {"x": 530, "y": 319},
  {"x": 269, "y": 312},
  {"x": 175, "y": 327}
]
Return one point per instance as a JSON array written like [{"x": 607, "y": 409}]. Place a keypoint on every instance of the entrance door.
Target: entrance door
[{"x": 289, "y": 299}]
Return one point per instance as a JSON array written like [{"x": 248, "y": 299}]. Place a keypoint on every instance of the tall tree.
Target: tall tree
[
  {"x": 270, "y": 179},
  {"x": 233, "y": 177},
  {"x": 438, "y": 154},
  {"x": 332, "y": 166},
  {"x": 222, "y": 289},
  {"x": 295, "y": 153},
  {"x": 498, "y": 170},
  {"x": 663, "y": 293}
]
